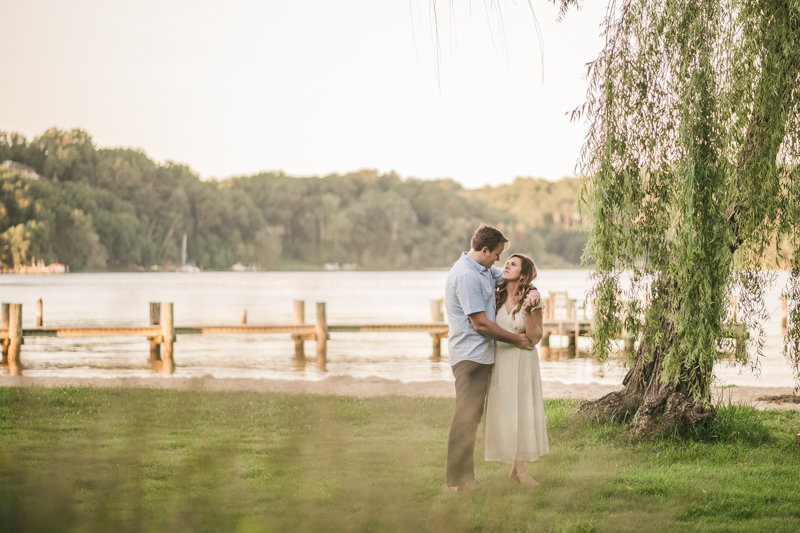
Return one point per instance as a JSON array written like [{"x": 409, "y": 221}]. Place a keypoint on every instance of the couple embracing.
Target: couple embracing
[{"x": 495, "y": 320}]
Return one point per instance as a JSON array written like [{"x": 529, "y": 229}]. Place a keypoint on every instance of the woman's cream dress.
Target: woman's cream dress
[{"x": 515, "y": 426}]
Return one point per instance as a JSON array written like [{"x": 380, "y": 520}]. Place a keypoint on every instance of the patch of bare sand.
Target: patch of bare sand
[{"x": 371, "y": 386}]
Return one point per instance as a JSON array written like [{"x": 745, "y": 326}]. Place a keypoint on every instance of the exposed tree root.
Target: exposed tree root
[
  {"x": 664, "y": 411},
  {"x": 781, "y": 398},
  {"x": 670, "y": 411},
  {"x": 657, "y": 408},
  {"x": 618, "y": 405},
  {"x": 613, "y": 407}
]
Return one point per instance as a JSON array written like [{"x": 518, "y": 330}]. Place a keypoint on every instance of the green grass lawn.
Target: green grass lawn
[{"x": 90, "y": 459}]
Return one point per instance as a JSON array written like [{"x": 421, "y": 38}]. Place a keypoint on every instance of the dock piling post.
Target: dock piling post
[
  {"x": 783, "y": 314},
  {"x": 155, "y": 320},
  {"x": 167, "y": 338},
  {"x": 738, "y": 330},
  {"x": 322, "y": 336},
  {"x": 629, "y": 342},
  {"x": 740, "y": 342},
  {"x": 299, "y": 318},
  {"x": 4, "y": 325},
  {"x": 436, "y": 356},
  {"x": 545, "y": 339},
  {"x": 244, "y": 316},
  {"x": 155, "y": 313},
  {"x": 39, "y": 313},
  {"x": 14, "y": 334},
  {"x": 437, "y": 316},
  {"x": 573, "y": 337}
]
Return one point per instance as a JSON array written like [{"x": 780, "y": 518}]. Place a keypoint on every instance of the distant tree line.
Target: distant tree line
[{"x": 115, "y": 208}]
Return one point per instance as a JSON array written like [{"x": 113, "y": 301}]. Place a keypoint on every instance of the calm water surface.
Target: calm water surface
[{"x": 217, "y": 298}]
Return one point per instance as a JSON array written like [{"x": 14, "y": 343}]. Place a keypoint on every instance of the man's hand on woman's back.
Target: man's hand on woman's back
[
  {"x": 524, "y": 343},
  {"x": 487, "y": 328}
]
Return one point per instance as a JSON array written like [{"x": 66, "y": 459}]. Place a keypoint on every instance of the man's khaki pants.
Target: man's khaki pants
[{"x": 472, "y": 382}]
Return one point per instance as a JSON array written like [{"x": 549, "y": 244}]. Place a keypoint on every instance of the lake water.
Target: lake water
[{"x": 218, "y": 298}]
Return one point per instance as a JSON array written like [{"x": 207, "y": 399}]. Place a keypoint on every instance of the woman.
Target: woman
[{"x": 515, "y": 429}]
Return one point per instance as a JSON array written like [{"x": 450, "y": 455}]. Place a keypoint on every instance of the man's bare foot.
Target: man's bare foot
[{"x": 469, "y": 486}]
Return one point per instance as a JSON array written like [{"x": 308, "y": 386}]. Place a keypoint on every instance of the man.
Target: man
[{"x": 470, "y": 305}]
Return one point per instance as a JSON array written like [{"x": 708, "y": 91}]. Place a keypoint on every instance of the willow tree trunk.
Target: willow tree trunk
[{"x": 656, "y": 406}]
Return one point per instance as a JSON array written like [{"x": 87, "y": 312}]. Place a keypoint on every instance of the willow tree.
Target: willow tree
[{"x": 692, "y": 184}]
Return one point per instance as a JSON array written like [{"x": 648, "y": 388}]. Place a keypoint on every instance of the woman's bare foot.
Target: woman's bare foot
[
  {"x": 525, "y": 478},
  {"x": 512, "y": 476}
]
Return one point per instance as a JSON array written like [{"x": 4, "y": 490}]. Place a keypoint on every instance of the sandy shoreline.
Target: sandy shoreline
[{"x": 364, "y": 387}]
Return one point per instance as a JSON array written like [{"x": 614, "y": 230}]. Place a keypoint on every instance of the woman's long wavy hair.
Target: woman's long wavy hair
[{"x": 527, "y": 274}]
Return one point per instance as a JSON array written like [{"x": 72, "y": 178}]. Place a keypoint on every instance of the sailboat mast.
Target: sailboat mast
[{"x": 183, "y": 251}]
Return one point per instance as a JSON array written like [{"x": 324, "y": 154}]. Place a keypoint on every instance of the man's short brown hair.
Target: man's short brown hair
[{"x": 487, "y": 236}]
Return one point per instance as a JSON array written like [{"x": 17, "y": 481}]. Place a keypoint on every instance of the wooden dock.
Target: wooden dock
[
  {"x": 561, "y": 317},
  {"x": 162, "y": 332}
]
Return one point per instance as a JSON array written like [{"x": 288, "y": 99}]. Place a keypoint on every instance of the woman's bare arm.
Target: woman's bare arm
[{"x": 533, "y": 324}]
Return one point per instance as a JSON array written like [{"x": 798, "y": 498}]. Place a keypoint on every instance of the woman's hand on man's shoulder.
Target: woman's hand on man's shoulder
[{"x": 532, "y": 299}]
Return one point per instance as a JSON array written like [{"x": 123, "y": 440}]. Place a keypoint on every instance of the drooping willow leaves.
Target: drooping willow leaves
[{"x": 691, "y": 176}]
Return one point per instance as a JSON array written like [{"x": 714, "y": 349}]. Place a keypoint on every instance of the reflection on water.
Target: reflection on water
[{"x": 217, "y": 298}]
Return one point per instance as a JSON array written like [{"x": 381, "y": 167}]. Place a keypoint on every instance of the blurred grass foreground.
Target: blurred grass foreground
[{"x": 145, "y": 460}]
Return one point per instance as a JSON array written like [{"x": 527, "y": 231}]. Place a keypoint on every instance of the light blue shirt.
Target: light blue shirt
[{"x": 470, "y": 289}]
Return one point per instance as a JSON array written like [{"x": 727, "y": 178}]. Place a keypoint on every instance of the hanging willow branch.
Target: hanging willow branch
[{"x": 691, "y": 175}]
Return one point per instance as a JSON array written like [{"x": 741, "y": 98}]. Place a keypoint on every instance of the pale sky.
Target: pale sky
[{"x": 309, "y": 87}]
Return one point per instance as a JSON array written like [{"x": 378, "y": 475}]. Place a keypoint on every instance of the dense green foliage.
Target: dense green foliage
[
  {"x": 98, "y": 208},
  {"x": 692, "y": 176},
  {"x": 88, "y": 459}
]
